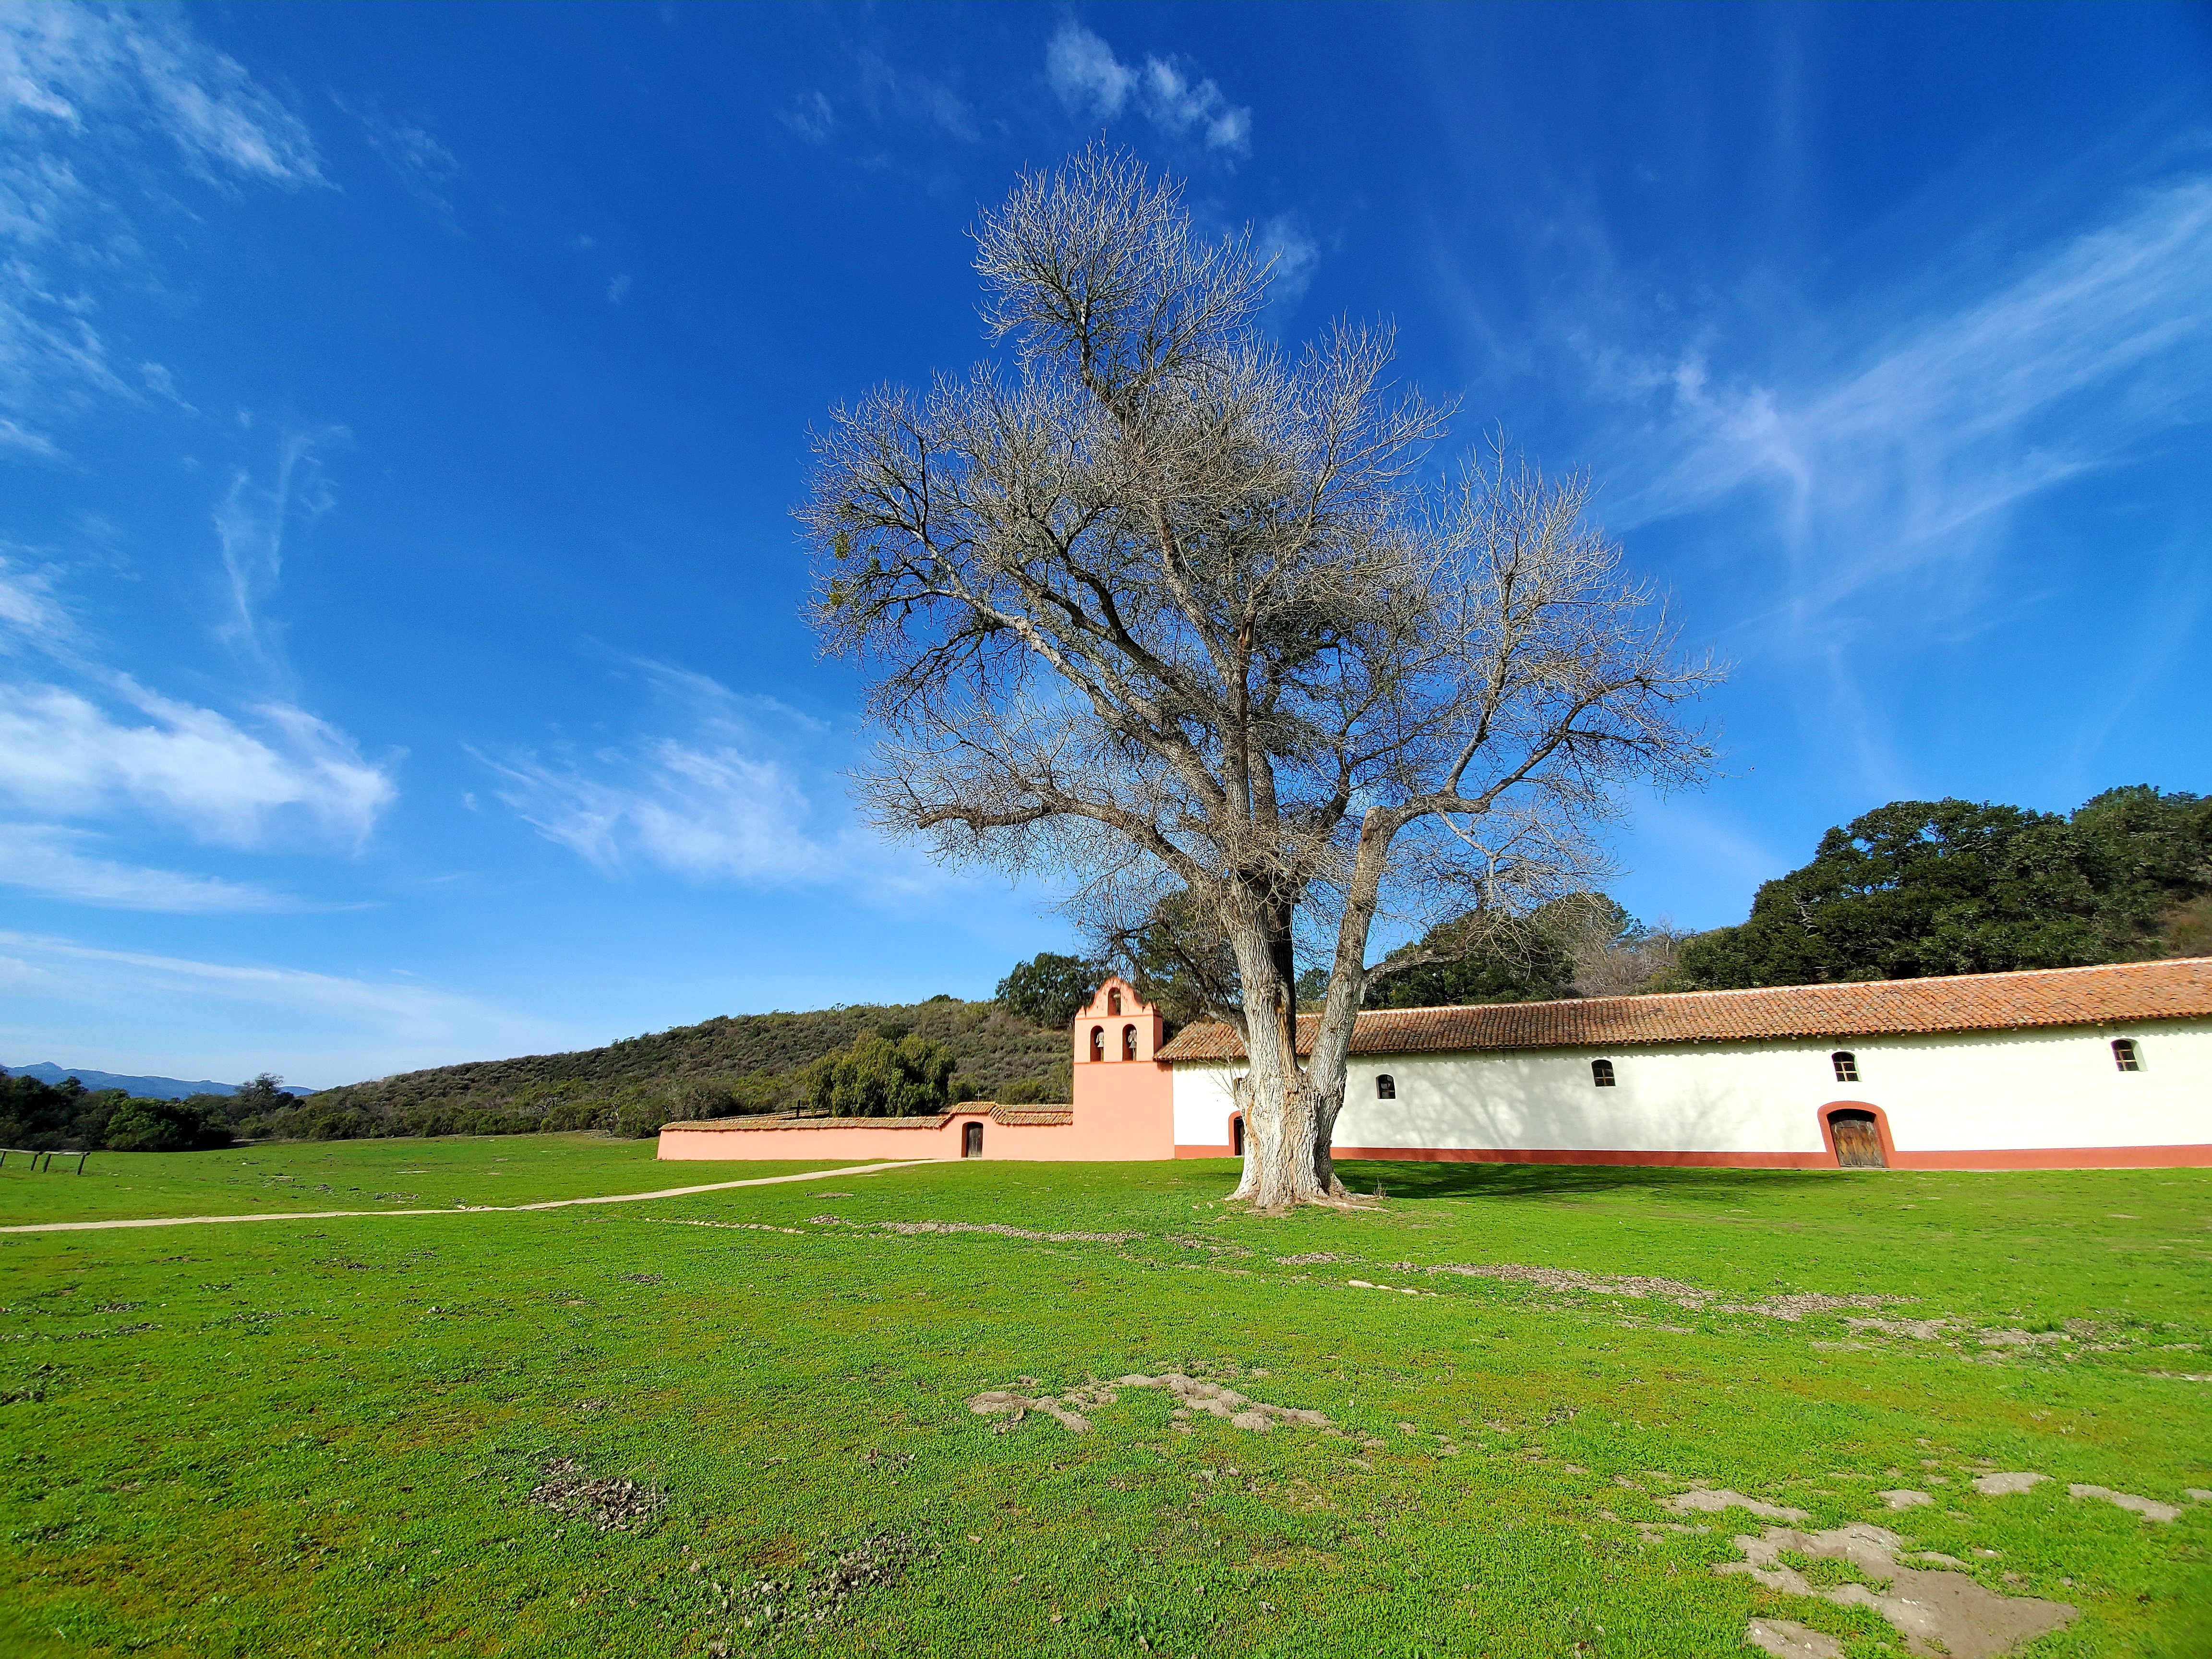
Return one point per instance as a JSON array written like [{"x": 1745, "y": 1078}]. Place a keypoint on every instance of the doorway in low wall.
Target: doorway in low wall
[
  {"x": 971, "y": 1140},
  {"x": 1858, "y": 1140}
]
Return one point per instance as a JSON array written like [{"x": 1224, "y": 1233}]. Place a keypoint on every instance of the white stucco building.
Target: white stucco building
[
  {"x": 2066, "y": 1068},
  {"x": 2070, "y": 1068}
]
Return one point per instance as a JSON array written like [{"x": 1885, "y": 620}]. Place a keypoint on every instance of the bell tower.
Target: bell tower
[{"x": 1124, "y": 1097}]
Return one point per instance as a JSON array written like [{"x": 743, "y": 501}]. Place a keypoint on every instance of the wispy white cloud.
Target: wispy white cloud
[
  {"x": 88, "y": 95},
  {"x": 63, "y": 754},
  {"x": 163, "y": 385},
  {"x": 1168, "y": 92},
  {"x": 722, "y": 800},
  {"x": 29, "y": 613},
  {"x": 82, "y": 744},
  {"x": 737, "y": 793},
  {"x": 890, "y": 91},
  {"x": 359, "y": 1026},
  {"x": 1914, "y": 452},
  {"x": 705, "y": 810},
  {"x": 54, "y": 862},
  {"x": 810, "y": 116},
  {"x": 421, "y": 163},
  {"x": 251, "y": 524},
  {"x": 79, "y": 65},
  {"x": 1285, "y": 239}
]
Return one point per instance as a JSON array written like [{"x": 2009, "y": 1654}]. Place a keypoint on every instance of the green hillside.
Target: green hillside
[{"x": 733, "y": 1064}]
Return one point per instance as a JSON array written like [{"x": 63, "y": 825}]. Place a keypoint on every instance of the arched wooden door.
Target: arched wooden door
[
  {"x": 1236, "y": 1133},
  {"x": 1858, "y": 1140},
  {"x": 971, "y": 1141}
]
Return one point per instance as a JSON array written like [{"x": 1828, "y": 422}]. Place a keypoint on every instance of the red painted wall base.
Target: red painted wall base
[{"x": 2051, "y": 1158}]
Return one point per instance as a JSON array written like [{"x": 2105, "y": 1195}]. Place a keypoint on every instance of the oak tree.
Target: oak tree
[{"x": 1155, "y": 605}]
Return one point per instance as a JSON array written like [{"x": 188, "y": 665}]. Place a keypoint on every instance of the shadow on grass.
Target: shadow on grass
[{"x": 1552, "y": 1180}]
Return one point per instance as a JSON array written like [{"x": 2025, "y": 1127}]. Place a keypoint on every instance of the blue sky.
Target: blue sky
[{"x": 401, "y": 411}]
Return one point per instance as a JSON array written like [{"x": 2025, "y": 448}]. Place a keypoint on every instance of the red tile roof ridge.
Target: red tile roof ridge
[
  {"x": 2178, "y": 988},
  {"x": 1038, "y": 1116},
  {"x": 792, "y": 1121},
  {"x": 1041, "y": 1115}
]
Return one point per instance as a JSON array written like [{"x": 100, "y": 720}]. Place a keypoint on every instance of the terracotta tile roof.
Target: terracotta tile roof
[
  {"x": 1030, "y": 1117},
  {"x": 2122, "y": 994},
  {"x": 1033, "y": 1117},
  {"x": 722, "y": 1126}
]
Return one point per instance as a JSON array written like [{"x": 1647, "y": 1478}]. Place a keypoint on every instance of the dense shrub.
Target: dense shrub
[
  {"x": 141, "y": 1125},
  {"x": 51, "y": 1117},
  {"x": 881, "y": 1076}
]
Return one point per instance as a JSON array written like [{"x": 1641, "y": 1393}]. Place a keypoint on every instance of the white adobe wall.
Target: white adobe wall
[{"x": 1976, "y": 1092}]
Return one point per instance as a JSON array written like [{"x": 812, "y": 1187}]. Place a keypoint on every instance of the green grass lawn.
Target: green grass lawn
[
  {"x": 349, "y": 1175},
  {"x": 325, "y": 1437}
]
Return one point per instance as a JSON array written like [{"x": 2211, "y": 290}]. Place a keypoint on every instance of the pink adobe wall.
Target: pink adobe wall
[
  {"x": 1124, "y": 1111},
  {"x": 861, "y": 1142}
]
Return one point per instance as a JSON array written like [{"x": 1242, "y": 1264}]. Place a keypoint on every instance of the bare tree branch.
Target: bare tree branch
[{"x": 1163, "y": 610}]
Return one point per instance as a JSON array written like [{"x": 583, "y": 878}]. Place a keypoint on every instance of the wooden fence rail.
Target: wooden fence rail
[{"x": 6, "y": 1152}]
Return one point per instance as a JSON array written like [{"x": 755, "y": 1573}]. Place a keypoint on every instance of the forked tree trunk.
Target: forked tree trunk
[{"x": 1285, "y": 1154}]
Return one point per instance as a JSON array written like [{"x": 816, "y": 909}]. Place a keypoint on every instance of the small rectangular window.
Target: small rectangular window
[{"x": 1846, "y": 1065}]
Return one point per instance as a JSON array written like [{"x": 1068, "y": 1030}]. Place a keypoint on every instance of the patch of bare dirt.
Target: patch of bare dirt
[
  {"x": 1569, "y": 1278},
  {"x": 1937, "y": 1613},
  {"x": 1788, "y": 1639},
  {"x": 1192, "y": 1395},
  {"x": 1707, "y": 1500},
  {"x": 994, "y": 1227},
  {"x": 1310, "y": 1259},
  {"x": 728, "y": 1226},
  {"x": 612, "y": 1502},
  {"x": 1794, "y": 1307},
  {"x": 1697, "y": 1298},
  {"x": 1920, "y": 1330},
  {"x": 2149, "y": 1507},
  {"x": 1954, "y": 1333}
]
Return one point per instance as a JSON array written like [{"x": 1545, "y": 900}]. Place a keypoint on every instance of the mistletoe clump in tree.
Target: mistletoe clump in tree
[{"x": 1156, "y": 607}]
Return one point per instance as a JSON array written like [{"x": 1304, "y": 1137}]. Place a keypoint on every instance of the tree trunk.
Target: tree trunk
[
  {"x": 1285, "y": 1160},
  {"x": 1328, "y": 1103}
]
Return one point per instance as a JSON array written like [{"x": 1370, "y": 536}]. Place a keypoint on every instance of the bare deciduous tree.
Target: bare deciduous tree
[{"x": 1158, "y": 606}]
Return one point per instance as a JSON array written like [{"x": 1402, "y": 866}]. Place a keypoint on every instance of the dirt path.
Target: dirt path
[{"x": 466, "y": 1209}]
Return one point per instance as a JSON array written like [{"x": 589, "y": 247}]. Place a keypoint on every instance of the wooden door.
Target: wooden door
[
  {"x": 1858, "y": 1142},
  {"x": 971, "y": 1141}
]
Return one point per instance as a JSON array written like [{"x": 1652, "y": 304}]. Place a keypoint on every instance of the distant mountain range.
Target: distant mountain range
[{"x": 150, "y": 1088}]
